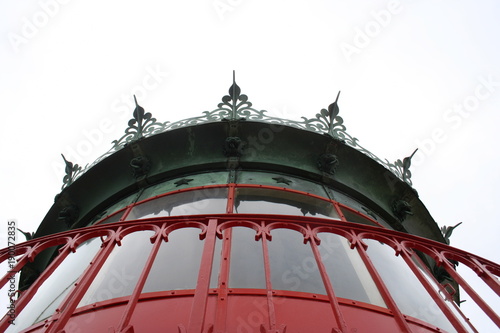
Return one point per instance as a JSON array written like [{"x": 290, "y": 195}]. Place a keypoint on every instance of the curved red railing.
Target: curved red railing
[{"x": 219, "y": 226}]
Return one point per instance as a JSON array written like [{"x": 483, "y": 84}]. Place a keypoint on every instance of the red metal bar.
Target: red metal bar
[
  {"x": 337, "y": 313},
  {"x": 197, "y": 317},
  {"x": 433, "y": 293},
  {"x": 222, "y": 290},
  {"x": 487, "y": 277},
  {"x": 472, "y": 293},
  {"x": 269, "y": 287}
]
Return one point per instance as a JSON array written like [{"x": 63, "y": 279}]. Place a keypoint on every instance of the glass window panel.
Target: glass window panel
[
  {"x": 267, "y": 201},
  {"x": 247, "y": 262},
  {"x": 119, "y": 274},
  {"x": 353, "y": 217},
  {"x": 202, "y": 179},
  {"x": 406, "y": 290},
  {"x": 293, "y": 266},
  {"x": 56, "y": 286},
  {"x": 112, "y": 209},
  {"x": 280, "y": 180},
  {"x": 114, "y": 218},
  {"x": 177, "y": 263},
  {"x": 206, "y": 201},
  {"x": 348, "y": 274}
]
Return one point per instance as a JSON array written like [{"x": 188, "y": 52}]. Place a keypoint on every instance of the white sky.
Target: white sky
[{"x": 67, "y": 69}]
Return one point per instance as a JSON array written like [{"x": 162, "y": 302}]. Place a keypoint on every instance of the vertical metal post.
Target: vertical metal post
[{"x": 200, "y": 299}]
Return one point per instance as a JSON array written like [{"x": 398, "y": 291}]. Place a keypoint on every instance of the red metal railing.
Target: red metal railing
[{"x": 219, "y": 226}]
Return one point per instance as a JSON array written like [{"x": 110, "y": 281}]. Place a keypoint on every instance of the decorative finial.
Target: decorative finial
[
  {"x": 406, "y": 166},
  {"x": 234, "y": 92},
  {"x": 333, "y": 111},
  {"x": 447, "y": 231},
  {"x": 71, "y": 171}
]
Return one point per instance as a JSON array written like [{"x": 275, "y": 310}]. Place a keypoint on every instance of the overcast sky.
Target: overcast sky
[{"x": 413, "y": 74}]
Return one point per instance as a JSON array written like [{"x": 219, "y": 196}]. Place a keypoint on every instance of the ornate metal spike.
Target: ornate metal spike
[
  {"x": 406, "y": 165},
  {"x": 333, "y": 111},
  {"x": 72, "y": 171},
  {"x": 447, "y": 231},
  {"x": 141, "y": 125}
]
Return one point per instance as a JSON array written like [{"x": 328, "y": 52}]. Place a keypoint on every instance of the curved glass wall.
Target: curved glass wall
[
  {"x": 119, "y": 274},
  {"x": 177, "y": 262},
  {"x": 55, "y": 288}
]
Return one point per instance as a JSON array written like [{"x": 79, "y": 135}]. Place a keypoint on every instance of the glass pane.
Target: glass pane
[
  {"x": 206, "y": 201},
  {"x": 280, "y": 180},
  {"x": 353, "y": 217},
  {"x": 348, "y": 274},
  {"x": 56, "y": 286},
  {"x": 266, "y": 201},
  {"x": 113, "y": 218},
  {"x": 293, "y": 266},
  {"x": 119, "y": 274},
  {"x": 247, "y": 262},
  {"x": 177, "y": 263},
  {"x": 406, "y": 290}
]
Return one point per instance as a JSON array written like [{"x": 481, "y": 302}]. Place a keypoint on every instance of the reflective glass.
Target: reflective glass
[
  {"x": 353, "y": 217},
  {"x": 206, "y": 201},
  {"x": 406, "y": 290},
  {"x": 177, "y": 263},
  {"x": 267, "y": 201},
  {"x": 56, "y": 286},
  {"x": 119, "y": 274},
  {"x": 293, "y": 266},
  {"x": 348, "y": 274},
  {"x": 247, "y": 262}
]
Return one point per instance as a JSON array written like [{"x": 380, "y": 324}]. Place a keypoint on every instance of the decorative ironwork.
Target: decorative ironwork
[
  {"x": 447, "y": 231},
  {"x": 401, "y": 209},
  {"x": 73, "y": 171},
  {"x": 68, "y": 215},
  {"x": 143, "y": 124},
  {"x": 140, "y": 166},
  {"x": 236, "y": 107},
  {"x": 233, "y": 147},
  {"x": 328, "y": 163}
]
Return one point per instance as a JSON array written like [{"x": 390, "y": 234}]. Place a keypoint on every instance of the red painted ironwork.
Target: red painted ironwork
[{"x": 203, "y": 301}]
